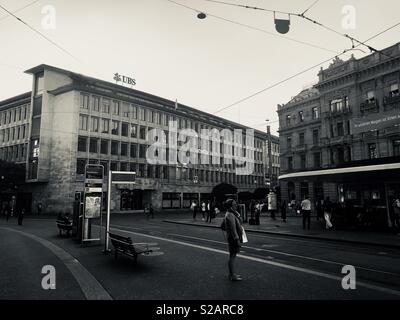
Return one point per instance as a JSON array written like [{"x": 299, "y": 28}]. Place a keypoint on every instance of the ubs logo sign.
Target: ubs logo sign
[{"x": 124, "y": 79}]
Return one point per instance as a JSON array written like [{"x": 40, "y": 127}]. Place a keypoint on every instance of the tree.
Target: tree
[
  {"x": 222, "y": 189},
  {"x": 261, "y": 193},
  {"x": 11, "y": 176}
]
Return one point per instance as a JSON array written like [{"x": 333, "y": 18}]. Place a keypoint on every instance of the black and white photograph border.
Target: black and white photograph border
[{"x": 199, "y": 154}]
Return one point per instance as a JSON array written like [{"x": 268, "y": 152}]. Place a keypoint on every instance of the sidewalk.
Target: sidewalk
[{"x": 293, "y": 228}]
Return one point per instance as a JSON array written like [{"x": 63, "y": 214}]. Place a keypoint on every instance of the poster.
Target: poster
[{"x": 92, "y": 207}]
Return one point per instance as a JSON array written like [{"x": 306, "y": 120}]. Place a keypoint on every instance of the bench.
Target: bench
[
  {"x": 64, "y": 226},
  {"x": 125, "y": 246}
]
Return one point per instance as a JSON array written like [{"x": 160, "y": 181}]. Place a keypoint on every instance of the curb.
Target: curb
[{"x": 294, "y": 235}]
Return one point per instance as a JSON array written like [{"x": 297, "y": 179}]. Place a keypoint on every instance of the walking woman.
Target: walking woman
[{"x": 234, "y": 231}]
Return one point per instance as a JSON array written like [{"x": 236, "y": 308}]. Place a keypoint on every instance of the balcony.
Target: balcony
[
  {"x": 337, "y": 112},
  {"x": 391, "y": 102},
  {"x": 368, "y": 107}
]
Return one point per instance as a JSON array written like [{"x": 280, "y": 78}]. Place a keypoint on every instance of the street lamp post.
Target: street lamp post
[{"x": 269, "y": 154}]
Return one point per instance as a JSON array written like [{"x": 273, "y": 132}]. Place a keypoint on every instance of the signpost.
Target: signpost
[
  {"x": 94, "y": 175},
  {"x": 115, "y": 177}
]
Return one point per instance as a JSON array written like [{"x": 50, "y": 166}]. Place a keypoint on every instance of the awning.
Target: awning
[{"x": 379, "y": 168}]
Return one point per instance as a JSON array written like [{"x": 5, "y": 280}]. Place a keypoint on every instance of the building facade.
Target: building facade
[
  {"x": 69, "y": 120},
  {"x": 341, "y": 137}
]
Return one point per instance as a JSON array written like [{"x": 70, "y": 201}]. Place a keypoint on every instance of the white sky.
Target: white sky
[{"x": 207, "y": 64}]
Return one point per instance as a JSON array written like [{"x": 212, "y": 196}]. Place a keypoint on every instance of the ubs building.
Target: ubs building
[{"x": 69, "y": 120}]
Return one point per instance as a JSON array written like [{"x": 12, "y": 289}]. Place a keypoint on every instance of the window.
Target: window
[
  {"x": 142, "y": 114},
  {"x": 83, "y": 122},
  {"x": 114, "y": 147},
  {"x": 133, "y": 151},
  {"x": 303, "y": 161},
  {"x": 124, "y": 166},
  {"x": 124, "y": 149},
  {"x": 301, "y": 116},
  {"x": 317, "y": 159},
  {"x": 336, "y": 105},
  {"x": 124, "y": 129},
  {"x": 80, "y": 166},
  {"x": 348, "y": 126},
  {"x": 105, "y": 165},
  {"x": 340, "y": 155},
  {"x": 142, "y": 151},
  {"x": 133, "y": 131},
  {"x": 372, "y": 151},
  {"x": 82, "y": 144},
  {"x": 96, "y": 103},
  {"x": 370, "y": 96},
  {"x": 104, "y": 146},
  {"x": 301, "y": 138},
  {"x": 340, "y": 129},
  {"x": 142, "y": 133},
  {"x": 394, "y": 90},
  {"x": 125, "y": 109},
  {"x": 95, "y": 124},
  {"x": 115, "y": 109},
  {"x": 115, "y": 128},
  {"x": 315, "y": 113},
  {"x": 315, "y": 136},
  {"x": 288, "y": 120},
  {"x": 157, "y": 118},
  {"x": 289, "y": 142},
  {"x": 93, "y": 145},
  {"x": 141, "y": 170},
  {"x": 396, "y": 147},
  {"x": 149, "y": 116},
  {"x": 114, "y": 166},
  {"x": 106, "y": 106},
  {"x": 84, "y": 101},
  {"x": 19, "y": 114},
  {"x": 134, "y": 111},
  {"x": 290, "y": 163},
  {"x": 105, "y": 126},
  {"x": 132, "y": 167}
]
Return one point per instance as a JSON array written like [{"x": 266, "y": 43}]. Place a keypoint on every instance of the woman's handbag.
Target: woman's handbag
[{"x": 244, "y": 236}]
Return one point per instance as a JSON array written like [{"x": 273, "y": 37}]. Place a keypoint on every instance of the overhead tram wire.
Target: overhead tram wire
[
  {"x": 19, "y": 9},
  {"x": 301, "y": 15},
  {"x": 39, "y": 33},
  {"x": 254, "y": 28},
  {"x": 306, "y": 70},
  {"x": 312, "y": 5}
]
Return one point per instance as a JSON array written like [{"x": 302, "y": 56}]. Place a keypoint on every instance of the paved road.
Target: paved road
[{"x": 194, "y": 266}]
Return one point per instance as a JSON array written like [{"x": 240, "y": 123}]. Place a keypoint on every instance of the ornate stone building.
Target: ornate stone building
[{"x": 341, "y": 138}]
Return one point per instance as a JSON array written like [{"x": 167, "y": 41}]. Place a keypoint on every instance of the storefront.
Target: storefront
[{"x": 364, "y": 189}]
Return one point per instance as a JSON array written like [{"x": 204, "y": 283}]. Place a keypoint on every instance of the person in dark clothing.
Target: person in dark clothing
[
  {"x": 21, "y": 216},
  {"x": 283, "y": 210},
  {"x": 234, "y": 233},
  {"x": 7, "y": 211},
  {"x": 320, "y": 212}
]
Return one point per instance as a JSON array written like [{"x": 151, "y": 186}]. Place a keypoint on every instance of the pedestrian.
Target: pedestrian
[
  {"x": 257, "y": 213},
  {"x": 151, "y": 211},
  {"x": 234, "y": 232},
  {"x": 7, "y": 211},
  {"x": 327, "y": 208},
  {"x": 283, "y": 210},
  {"x": 306, "y": 212},
  {"x": 39, "y": 208},
  {"x": 396, "y": 212},
  {"x": 21, "y": 216},
  {"x": 318, "y": 206},
  {"x": 194, "y": 208},
  {"x": 209, "y": 212},
  {"x": 203, "y": 210}
]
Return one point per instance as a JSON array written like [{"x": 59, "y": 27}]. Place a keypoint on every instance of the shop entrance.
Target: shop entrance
[{"x": 131, "y": 199}]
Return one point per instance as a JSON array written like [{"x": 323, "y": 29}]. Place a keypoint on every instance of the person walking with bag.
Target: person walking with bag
[
  {"x": 235, "y": 236},
  {"x": 328, "y": 213}
]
